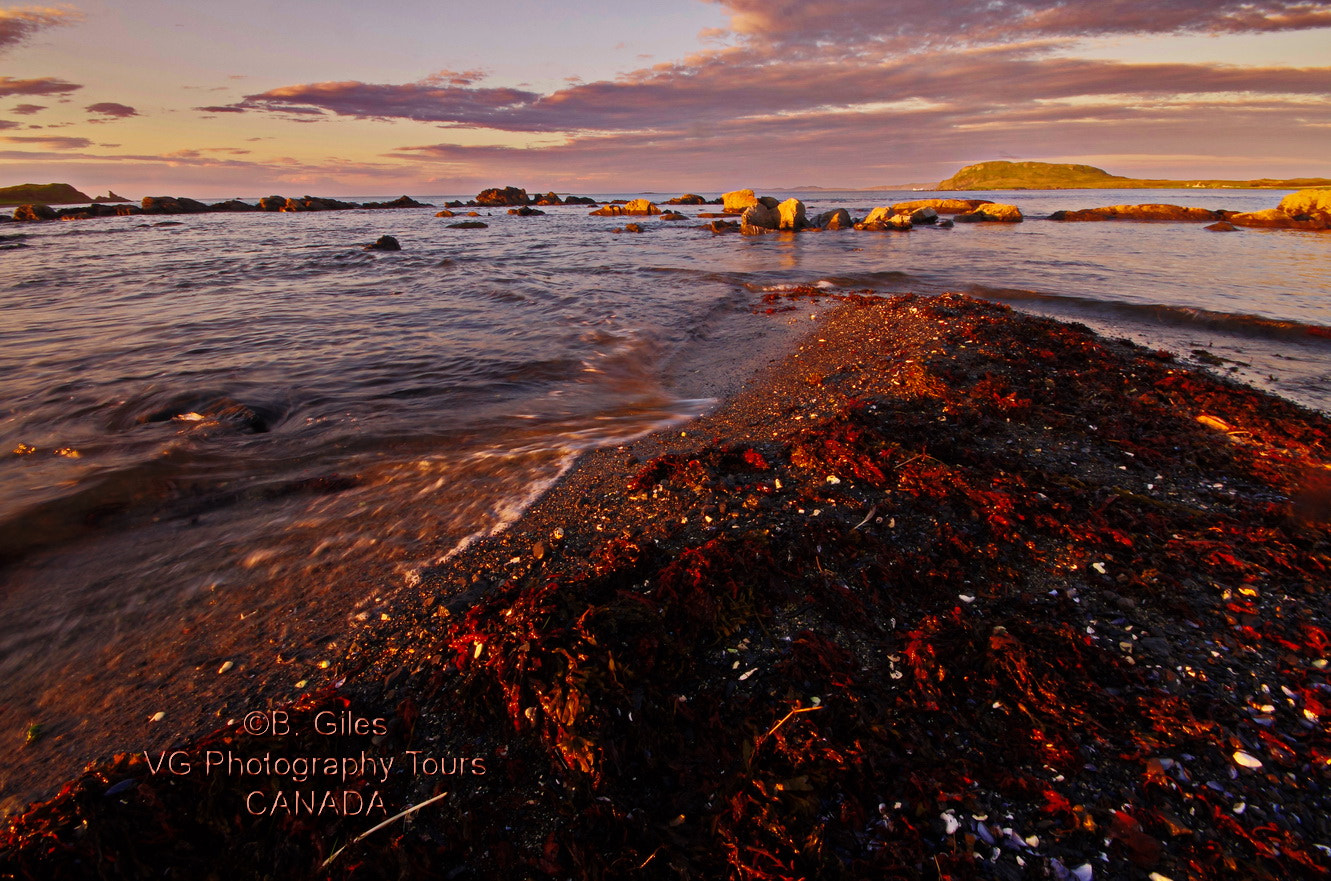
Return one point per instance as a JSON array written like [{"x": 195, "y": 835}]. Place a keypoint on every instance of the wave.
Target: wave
[{"x": 1239, "y": 323}]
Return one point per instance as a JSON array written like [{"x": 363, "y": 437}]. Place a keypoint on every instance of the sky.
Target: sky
[{"x": 329, "y": 97}]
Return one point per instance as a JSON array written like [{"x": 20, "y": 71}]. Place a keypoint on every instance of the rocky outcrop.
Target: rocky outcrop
[
  {"x": 233, "y": 205},
  {"x": 922, "y": 216},
  {"x": 384, "y": 243},
  {"x": 736, "y": 201},
  {"x": 272, "y": 203},
  {"x": 314, "y": 203},
  {"x": 34, "y": 213},
  {"x": 837, "y": 218},
  {"x": 942, "y": 206},
  {"x": 1222, "y": 226},
  {"x": 1274, "y": 218},
  {"x": 110, "y": 197},
  {"x": 993, "y": 212},
  {"x": 885, "y": 218},
  {"x": 1313, "y": 204},
  {"x": 399, "y": 202},
  {"x": 637, "y": 207},
  {"x": 497, "y": 197},
  {"x": 687, "y": 199},
  {"x": 548, "y": 199},
  {"x": 758, "y": 219},
  {"x": 526, "y": 211},
  {"x": 445, "y": 213},
  {"x": 579, "y": 200},
  {"x": 172, "y": 205},
  {"x": 791, "y": 215},
  {"x": 1151, "y": 212}
]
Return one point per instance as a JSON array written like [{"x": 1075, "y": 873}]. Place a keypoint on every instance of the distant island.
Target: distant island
[
  {"x": 1002, "y": 175},
  {"x": 44, "y": 194}
]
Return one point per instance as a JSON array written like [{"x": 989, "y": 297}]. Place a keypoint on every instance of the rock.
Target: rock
[
  {"x": 33, "y": 213},
  {"x": 758, "y": 219},
  {"x": 922, "y": 216},
  {"x": 790, "y": 215},
  {"x": 735, "y": 202},
  {"x": 687, "y": 199},
  {"x": 468, "y": 224},
  {"x": 172, "y": 205},
  {"x": 272, "y": 203},
  {"x": 1314, "y": 203},
  {"x": 548, "y": 199},
  {"x": 399, "y": 202},
  {"x": 769, "y": 201},
  {"x": 496, "y": 197},
  {"x": 110, "y": 197},
  {"x": 673, "y": 215},
  {"x": 886, "y": 218},
  {"x": 630, "y": 227},
  {"x": 1222, "y": 226},
  {"x": 640, "y": 207},
  {"x": 709, "y": 214},
  {"x": 1274, "y": 218},
  {"x": 837, "y": 218},
  {"x": 579, "y": 200},
  {"x": 942, "y": 206},
  {"x": 943, "y": 224},
  {"x": 445, "y": 213},
  {"x": 722, "y": 226},
  {"x": 1152, "y": 212},
  {"x": 293, "y": 205},
  {"x": 233, "y": 205},
  {"x": 384, "y": 243},
  {"x": 473, "y": 214},
  {"x": 994, "y": 212},
  {"x": 524, "y": 211},
  {"x": 317, "y": 203}
]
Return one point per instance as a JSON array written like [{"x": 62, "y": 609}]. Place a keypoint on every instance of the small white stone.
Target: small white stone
[{"x": 1246, "y": 760}]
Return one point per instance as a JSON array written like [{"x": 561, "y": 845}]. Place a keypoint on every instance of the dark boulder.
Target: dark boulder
[
  {"x": 234, "y": 205},
  {"x": 548, "y": 199},
  {"x": 496, "y": 197},
  {"x": 579, "y": 200},
  {"x": 468, "y": 224},
  {"x": 687, "y": 199},
  {"x": 272, "y": 203},
  {"x": 384, "y": 243},
  {"x": 172, "y": 205},
  {"x": 399, "y": 202},
  {"x": 34, "y": 213},
  {"x": 524, "y": 211}
]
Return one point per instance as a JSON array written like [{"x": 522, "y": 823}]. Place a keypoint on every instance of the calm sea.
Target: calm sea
[{"x": 224, "y": 420}]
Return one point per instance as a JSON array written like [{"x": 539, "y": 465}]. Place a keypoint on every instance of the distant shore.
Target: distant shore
[{"x": 947, "y": 589}]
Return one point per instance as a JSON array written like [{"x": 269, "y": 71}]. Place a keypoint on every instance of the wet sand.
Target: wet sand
[{"x": 948, "y": 591}]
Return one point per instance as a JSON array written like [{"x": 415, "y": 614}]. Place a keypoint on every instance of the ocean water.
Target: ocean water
[{"x": 221, "y": 421}]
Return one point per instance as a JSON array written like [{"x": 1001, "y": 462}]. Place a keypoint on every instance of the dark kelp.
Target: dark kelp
[{"x": 955, "y": 593}]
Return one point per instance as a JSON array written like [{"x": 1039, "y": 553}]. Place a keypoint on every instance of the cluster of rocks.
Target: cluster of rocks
[
  {"x": 763, "y": 214},
  {"x": 1306, "y": 209},
  {"x": 635, "y": 208},
  {"x": 504, "y": 197},
  {"x": 182, "y": 205}
]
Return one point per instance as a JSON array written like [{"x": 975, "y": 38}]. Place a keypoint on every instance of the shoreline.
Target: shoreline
[{"x": 946, "y": 522}]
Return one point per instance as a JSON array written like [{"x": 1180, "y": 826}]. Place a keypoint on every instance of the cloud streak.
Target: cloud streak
[
  {"x": 40, "y": 86},
  {"x": 18, "y": 25},
  {"x": 112, "y": 110}
]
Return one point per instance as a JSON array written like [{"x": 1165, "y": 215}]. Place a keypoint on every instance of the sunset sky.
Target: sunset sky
[{"x": 149, "y": 97}]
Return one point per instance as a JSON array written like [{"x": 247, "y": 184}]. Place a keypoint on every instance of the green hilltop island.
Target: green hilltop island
[
  {"x": 1002, "y": 175},
  {"x": 52, "y": 194}
]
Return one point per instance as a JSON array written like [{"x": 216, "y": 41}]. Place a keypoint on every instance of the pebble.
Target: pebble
[
  {"x": 226, "y": 665},
  {"x": 158, "y": 716},
  {"x": 1246, "y": 760}
]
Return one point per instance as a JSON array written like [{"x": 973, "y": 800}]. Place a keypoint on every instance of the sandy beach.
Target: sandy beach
[{"x": 947, "y": 592}]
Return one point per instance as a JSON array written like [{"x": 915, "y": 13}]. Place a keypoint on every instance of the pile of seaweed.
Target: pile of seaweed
[{"x": 950, "y": 593}]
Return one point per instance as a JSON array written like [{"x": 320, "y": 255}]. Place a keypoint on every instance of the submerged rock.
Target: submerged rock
[
  {"x": 1222, "y": 226},
  {"x": 1153, "y": 212},
  {"x": 468, "y": 224},
  {"x": 384, "y": 243}
]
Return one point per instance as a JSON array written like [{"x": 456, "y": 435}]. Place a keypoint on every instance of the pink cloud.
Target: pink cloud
[
  {"x": 978, "y": 21},
  {"x": 41, "y": 86},
  {"x": 53, "y": 141},
  {"x": 28, "y": 109},
  {"x": 17, "y": 25},
  {"x": 112, "y": 110}
]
